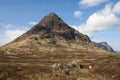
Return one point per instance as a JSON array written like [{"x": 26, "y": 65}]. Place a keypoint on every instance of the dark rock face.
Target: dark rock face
[
  {"x": 104, "y": 46},
  {"x": 51, "y": 34},
  {"x": 54, "y": 28}
]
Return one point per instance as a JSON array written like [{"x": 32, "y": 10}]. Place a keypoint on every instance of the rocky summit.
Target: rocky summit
[{"x": 51, "y": 34}]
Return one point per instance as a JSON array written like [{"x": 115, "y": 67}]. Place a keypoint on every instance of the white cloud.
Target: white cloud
[
  {"x": 99, "y": 21},
  {"x": 116, "y": 8},
  {"x": 116, "y": 46},
  {"x": 91, "y": 3},
  {"x": 11, "y": 34},
  {"x": 7, "y": 26},
  {"x": 77, "y": 13},
  {"x": 32, "y": 22},
  {"x": 79, "y": 29}
]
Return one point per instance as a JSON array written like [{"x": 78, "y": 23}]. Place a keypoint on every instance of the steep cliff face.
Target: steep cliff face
[{"x": 49, "y": 35}]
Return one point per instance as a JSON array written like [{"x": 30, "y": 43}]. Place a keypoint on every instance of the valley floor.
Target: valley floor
[{"x": 105, "y": 67}]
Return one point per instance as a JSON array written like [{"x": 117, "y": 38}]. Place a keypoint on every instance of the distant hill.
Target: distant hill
[
  {"x": 104, "y": 46},
  {"x": 117, "y": 52}
]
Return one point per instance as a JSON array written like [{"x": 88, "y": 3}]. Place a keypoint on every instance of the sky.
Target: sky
[{"x": 99, "y": 19}]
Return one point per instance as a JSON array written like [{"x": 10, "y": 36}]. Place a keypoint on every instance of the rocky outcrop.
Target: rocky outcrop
[{"x": 66, "y": 68}]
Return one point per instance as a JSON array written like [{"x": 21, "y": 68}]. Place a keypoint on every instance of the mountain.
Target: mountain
[
  {"x": 54, "y": 29},
  {"x": 52, "y": 50},
  {"x": 104, "y": 46},
  {"x": 50, "y": 35},
  {"x": 117, "y": 52}
]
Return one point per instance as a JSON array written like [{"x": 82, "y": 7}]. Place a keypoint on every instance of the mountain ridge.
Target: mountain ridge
[
  {"x": 52, "y": 23},
  {"x": 51, "y": 34},
  {"x": 104, "y": 46}
]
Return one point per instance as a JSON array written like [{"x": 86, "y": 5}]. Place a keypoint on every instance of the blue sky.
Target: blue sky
[{"x": 100, "y": 19}]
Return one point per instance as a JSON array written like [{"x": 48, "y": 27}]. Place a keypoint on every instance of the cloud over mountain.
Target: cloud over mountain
[
  {"x": 77, "y": 14},
  {"x": 101, "y": 20},
  {"x": 90, "y": 3},
  {"x": 116, "y": 8},
  {"x": 32, "y": 22},
  {"x": 10, "y": 33}
]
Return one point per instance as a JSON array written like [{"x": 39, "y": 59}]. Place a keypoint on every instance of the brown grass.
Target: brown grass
[{"x": 24, "y": 67}]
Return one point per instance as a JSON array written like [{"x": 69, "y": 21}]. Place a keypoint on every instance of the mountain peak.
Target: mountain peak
[
  {"x": 51, "y": 19},
  {"x": 52, "y": 14}
]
